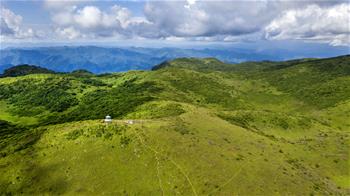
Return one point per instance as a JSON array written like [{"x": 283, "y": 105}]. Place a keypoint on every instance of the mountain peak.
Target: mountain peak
[
  {"x": 25, "y": 69},
  {"x": 191, "y": 63}
]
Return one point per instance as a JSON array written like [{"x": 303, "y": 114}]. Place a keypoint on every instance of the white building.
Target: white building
[{"x": 108, "y": 119}]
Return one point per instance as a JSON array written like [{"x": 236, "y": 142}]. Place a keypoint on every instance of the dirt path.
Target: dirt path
[
  {"x": 228, "y": 181},
  {"x": 156, "y": 153}
]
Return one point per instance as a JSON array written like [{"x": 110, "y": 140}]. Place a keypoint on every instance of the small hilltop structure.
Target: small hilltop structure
[{"x": 108, "y": 119}]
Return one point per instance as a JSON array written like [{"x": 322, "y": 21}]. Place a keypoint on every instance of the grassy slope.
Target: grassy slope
[{"x": 210, "y": 129}]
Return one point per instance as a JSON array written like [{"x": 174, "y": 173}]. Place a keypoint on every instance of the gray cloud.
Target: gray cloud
[
  {"x": 313, "y": 23},
  {"x": 211, "y": 18},
  {"x": 178, "y": 18}
]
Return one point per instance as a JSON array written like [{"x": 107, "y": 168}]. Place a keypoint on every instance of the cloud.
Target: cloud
[
  {"x": 68, "y": 32},
  {"x": 321, "y": 21},
  {"x": 193, "y": 20},
  {"x": 313, "y": 23},
  {"x": 11, "y": 26},
  {"x": 208, "y": 18},
  {"x": 92, "y": 22},
  {"x": 91, "y": 17},
  {"x": 4, "y": 28},
  {"x": 10, "y": 22}
]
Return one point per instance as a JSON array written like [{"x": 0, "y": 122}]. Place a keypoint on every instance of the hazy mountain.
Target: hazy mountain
[
  {"x": 99, "y": 59},
  {"x": 104, "y": 59}
]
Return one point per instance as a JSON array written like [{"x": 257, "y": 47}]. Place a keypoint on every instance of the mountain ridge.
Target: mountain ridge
[
  {"x": 243, "y": 124},
  {"x": 21, "y": 70},
  {"x": 111, "y": 59}
]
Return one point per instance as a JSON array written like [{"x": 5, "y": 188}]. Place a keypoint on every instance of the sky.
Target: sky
[{"x": 297, "y": 23}]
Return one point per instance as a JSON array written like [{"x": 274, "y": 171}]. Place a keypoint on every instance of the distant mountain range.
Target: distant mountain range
[{"x": 103, "y": 59}]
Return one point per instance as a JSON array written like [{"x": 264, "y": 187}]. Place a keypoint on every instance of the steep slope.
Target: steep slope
[{"x": 201, "y": 127}]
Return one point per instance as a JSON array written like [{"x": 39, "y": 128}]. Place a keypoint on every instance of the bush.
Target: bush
[
  {"x": 115, "y": 102},
  {"x": 50, "y": 94},
  {"x": 242, "y": 120},
  {"x": 15, "y": 138},
  {"x": 125, "y": 140}
]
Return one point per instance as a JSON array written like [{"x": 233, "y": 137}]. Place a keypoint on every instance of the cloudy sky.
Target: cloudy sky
[{"x": 196, "y": 21}]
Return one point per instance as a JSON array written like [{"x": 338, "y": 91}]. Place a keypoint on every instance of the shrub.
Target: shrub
[
  {"x": 28, "y": 94},
  {"x": 116, "y": 102}
]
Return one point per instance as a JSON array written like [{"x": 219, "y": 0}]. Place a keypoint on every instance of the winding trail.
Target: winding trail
[
  {"x": 172, "y": 161},
  {"x": 228, "y": 181},
  {"x": 158, "y": 174}
]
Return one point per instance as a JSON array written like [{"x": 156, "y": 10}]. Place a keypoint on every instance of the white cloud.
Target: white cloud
[
  {"x": 4, "y": 28},
  {"x": 10, "y": 20},
  {"x": 89, "y": 17},
  {"x": 11, "y": 26},
  {"x": 68, "y": 32},
  {"x": 313, "y": 23},
  {"x": 92, "y": 22}
]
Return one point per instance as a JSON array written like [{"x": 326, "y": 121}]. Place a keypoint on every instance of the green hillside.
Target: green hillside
[
  {"x": 200, "y": 127},
  {"x": 22, "y": 70}
]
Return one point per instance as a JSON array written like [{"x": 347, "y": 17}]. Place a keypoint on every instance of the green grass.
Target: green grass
[
  {"x": 201, "y": 127},
  {"x": 88, "y": 158},
  {"x": 6, "y": 115}
]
